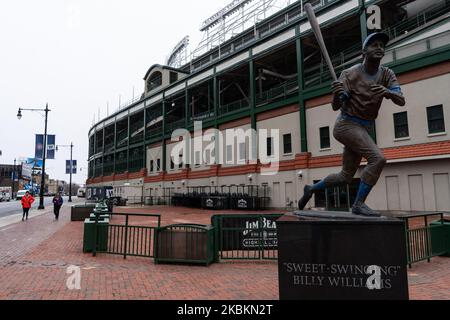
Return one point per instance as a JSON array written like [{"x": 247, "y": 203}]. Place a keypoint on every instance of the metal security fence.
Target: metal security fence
[
  {"x": 420, "y": 245},
  {"x": 246, "y": 237},
  {"x": 126, "y": 239}
]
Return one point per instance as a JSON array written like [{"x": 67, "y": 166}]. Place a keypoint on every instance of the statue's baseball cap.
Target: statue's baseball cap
[{"x": 375, "y": 36}]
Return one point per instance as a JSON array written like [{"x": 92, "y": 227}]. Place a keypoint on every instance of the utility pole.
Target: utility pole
[
  {"x": 13, "y": 180},
  {"x": 71, "y": 167},
  {"x": 71, "y": 171}
]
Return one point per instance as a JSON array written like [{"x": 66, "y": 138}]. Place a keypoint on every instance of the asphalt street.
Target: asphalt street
[{"x": 15, "y": 207}]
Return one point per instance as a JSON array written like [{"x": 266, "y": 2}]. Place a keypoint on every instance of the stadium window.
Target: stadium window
[
  {"x": 158, "y": 165},
  {"x": 325, "y": 138},
  {"x": 287, "y": 143},
  {"x": 180, "y": 163},
  {"x": 401, "y": 125},
  {"x": 172, "y": 164},
  {"x": 207, "y": 157},
  {"x": 173, "y": 77},
  {"x": 151, "y": 165},
  {"x": 270, "y": 146},
  {"x": 242, "y": 155},
  {"x": 197, "y": 158},
  {"x": 229, "y": 153},
  {"x": 436, "y": 122},
  {"x": 154, "y": 81}
]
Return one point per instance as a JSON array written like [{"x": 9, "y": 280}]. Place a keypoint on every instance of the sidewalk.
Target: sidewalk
[{"x": 34, "y": 257}]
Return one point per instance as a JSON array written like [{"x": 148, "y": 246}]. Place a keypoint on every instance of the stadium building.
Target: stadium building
[{"x": 259, "y": 67}]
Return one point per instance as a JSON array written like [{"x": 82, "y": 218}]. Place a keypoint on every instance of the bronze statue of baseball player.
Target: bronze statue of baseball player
[{"x": 359, "y": 93}]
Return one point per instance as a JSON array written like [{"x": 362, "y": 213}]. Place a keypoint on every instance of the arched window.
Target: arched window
[{"x": 154, "y": 81}]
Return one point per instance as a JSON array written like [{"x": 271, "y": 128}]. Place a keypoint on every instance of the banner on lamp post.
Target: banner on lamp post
[
  {"x": 74, "y": 166},
  {"x": 51, "y": 146}
]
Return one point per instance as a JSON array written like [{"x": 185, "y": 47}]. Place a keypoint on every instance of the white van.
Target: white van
[
  {"x": 20, "y": 194},
  {"x": 81, "y": 193}
]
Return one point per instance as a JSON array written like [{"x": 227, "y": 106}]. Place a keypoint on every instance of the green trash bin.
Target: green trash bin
[
  {"x": 89, "y": 234},
  {"x": 440, "y": 237}
]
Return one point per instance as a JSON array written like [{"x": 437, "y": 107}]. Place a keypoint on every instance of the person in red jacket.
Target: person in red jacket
[{"x": 27, "y": 201}]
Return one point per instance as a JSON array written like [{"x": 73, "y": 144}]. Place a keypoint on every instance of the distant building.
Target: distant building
[{"x": 6, "y": 176}]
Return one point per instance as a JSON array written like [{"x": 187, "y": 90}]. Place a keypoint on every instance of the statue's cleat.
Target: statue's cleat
[
  {"x": 307, "y": 195},
  {"x": 361, "y": 209}
]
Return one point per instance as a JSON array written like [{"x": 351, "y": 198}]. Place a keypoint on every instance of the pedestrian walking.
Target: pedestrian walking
[
  {"x": 57, "y": 204},
  {"x": 27, "y": 201}
]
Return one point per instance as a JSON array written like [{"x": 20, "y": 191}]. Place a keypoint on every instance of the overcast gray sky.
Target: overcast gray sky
[{"x": 77, "y": 56}]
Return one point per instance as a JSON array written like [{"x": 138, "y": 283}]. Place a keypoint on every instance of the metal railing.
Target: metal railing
[
  {"x": 280, "y": 92},
  {"x": 175, "y": 125},
  {"x": 149, "y": 200},
  {"x": 418, "y": 47},
  {"x": 234, "y": 106},
  {"x": 126, "y": 239},
  {"x": 122, "y": 138},
  {"x": 154, "y": 132},
  {"x": 136, "y": 132},
  {"x": 121, "y": 166},
  {"x": 108, "y": 169},
  {"x": 136, "y": 162},
  {"x": 418, "y": 239},
  {"x": 319, "y": 74},
  {"x": 109, "y": 146},
  {"x": 202, "y": 116},
  {"x": 419, "y": 20}
]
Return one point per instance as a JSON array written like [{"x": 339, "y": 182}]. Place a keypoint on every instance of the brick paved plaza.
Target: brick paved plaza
[{"x": 34, "y": 257}]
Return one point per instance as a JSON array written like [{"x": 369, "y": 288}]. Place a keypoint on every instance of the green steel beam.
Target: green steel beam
[
  {"x": 163, "y": 135},
  {"x": 186, "y": 107},
  {"x": 215, "y": 98},
  {"x": 115, "y": 141},
  {"x": 252, "y": 91},
  {"x": 301, "y": 98},
  {"x": 363, "y": 20},
  {"x": 216, "y": 89},
  {"x": 144, "y": 161},
  {"x": 128, "y": 141}
]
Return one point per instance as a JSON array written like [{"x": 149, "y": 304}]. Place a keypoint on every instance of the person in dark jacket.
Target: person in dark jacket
[
  {"x": 27, "y": 201},
  {"x": 57, "y": 204}
]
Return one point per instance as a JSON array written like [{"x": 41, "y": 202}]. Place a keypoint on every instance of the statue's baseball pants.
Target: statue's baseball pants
[{"x": 358, "y": 144}]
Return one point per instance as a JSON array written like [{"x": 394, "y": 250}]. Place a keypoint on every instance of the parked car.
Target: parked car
[{"x": 20, "y": 194}]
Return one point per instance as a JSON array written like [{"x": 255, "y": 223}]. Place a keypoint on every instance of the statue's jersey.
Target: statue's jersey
[{"x": 357, "y": 82}]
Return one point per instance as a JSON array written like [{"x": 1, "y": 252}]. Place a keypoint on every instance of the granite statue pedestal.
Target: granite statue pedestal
[{"x": 340, "y": 256}]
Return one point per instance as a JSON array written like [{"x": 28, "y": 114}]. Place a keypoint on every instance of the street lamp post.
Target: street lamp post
[
  {"x": 44, "y": 152},
  {"x": 13, "y": 180},
  {"x": 71, "y": 167}
]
